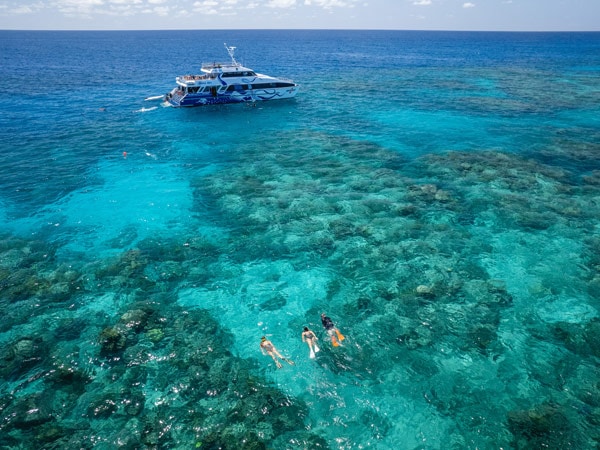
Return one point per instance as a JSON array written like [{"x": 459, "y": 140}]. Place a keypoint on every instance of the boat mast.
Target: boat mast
[{"x": 230, "y": 51}]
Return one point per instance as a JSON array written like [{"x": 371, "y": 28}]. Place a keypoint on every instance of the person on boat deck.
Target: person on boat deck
[
  {"x": 267, "y": 348},
  {"x": 332, "y": 331},
  {"x": 311, "y": 340}
]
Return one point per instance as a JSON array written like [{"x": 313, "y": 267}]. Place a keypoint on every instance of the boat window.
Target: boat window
[
  {"x": 237, "y": 87},
  {"x": 279, "y": 84},
  {"x": 238, "y": 74}
]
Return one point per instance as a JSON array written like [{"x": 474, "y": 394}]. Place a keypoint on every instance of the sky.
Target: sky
[{"x": 488, "y": 15}]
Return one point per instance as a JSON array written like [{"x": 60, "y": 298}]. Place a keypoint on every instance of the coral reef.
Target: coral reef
[
  {"x": 445, "y": 272},
  {"x": 145, "y": 367}
]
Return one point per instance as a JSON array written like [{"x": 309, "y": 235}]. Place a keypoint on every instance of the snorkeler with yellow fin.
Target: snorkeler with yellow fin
[{"x": 332, "y": 331}]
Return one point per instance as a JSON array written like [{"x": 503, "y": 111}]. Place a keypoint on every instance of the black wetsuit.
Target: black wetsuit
[{"x": 327, "y": 323}]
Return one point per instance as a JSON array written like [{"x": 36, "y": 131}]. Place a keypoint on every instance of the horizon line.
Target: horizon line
[{"x": 298, "y": 29}]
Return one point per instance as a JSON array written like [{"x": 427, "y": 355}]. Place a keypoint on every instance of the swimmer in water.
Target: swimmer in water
[
  {"x": 267, "y": 348},
  {"x": 311, "y": 340},
  {"x": 332, "y": 331}
]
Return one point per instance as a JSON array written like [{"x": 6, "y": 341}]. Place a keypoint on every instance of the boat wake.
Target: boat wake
[
  {"x": 142, "y": 110},
  {"x": 154, "y": 97}
]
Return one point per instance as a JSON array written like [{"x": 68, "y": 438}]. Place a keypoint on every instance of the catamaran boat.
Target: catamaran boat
[{"x": 228, "y": 83}]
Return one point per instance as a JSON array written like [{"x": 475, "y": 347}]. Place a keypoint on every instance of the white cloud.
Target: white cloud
[
  {"x": 78, "y": 3},
  {"x": 328, "y": 4},
  {"x": 281, "y": 3},
  {"x": 123, "y": 8},
  {"x": 422, "y": 2},
  {"x": 213, "y": 7},
  {"x": 207, "y": 7},
  {"x": 125, "y": 2},
  {"x": 77, "y": 7},
  {"x": 25, "y": 9},
  {"x": 468, "y": 5},
  {"x": 162, "y": 10}
]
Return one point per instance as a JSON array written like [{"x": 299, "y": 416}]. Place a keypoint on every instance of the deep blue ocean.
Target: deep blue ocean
[{"x": 437, "y": 194}]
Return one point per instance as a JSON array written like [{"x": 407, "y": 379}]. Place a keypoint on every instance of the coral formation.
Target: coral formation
[{"x": 428, "y": 263}]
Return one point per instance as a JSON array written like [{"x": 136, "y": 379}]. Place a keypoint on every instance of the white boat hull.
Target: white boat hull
[{"x": 179, "y": 98}]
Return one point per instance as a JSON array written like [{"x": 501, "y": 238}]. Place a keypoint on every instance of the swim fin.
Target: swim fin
[
  {"x": 334, "y": 341},
  {"x": 312, "y": 355},
  {"x": 340, "y": 336},
  {"x": 316, "y": 348}
]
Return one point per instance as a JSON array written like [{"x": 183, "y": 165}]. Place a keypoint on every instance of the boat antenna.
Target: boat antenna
[{"x": 230, "y": 51}]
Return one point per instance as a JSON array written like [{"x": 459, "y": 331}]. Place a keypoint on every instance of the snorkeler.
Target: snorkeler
[
  {"x": 267, "y": 348},
  {"x": 332, "y": 331},
  {"x": 311, "y": 339}
]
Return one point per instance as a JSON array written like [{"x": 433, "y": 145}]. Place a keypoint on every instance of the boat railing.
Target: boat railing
[
  {"x": 195, "y": 77},
  {"x": 175, "y": 96},
  {"x": 190, "y": 80},
  {"x": 219, "y": 65}
]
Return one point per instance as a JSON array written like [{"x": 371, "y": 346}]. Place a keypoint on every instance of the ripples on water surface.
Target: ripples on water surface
[{"x": 435, "y": 193}]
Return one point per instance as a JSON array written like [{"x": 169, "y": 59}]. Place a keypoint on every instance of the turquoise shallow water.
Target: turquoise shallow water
[{"x": 435, "y": 193}]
